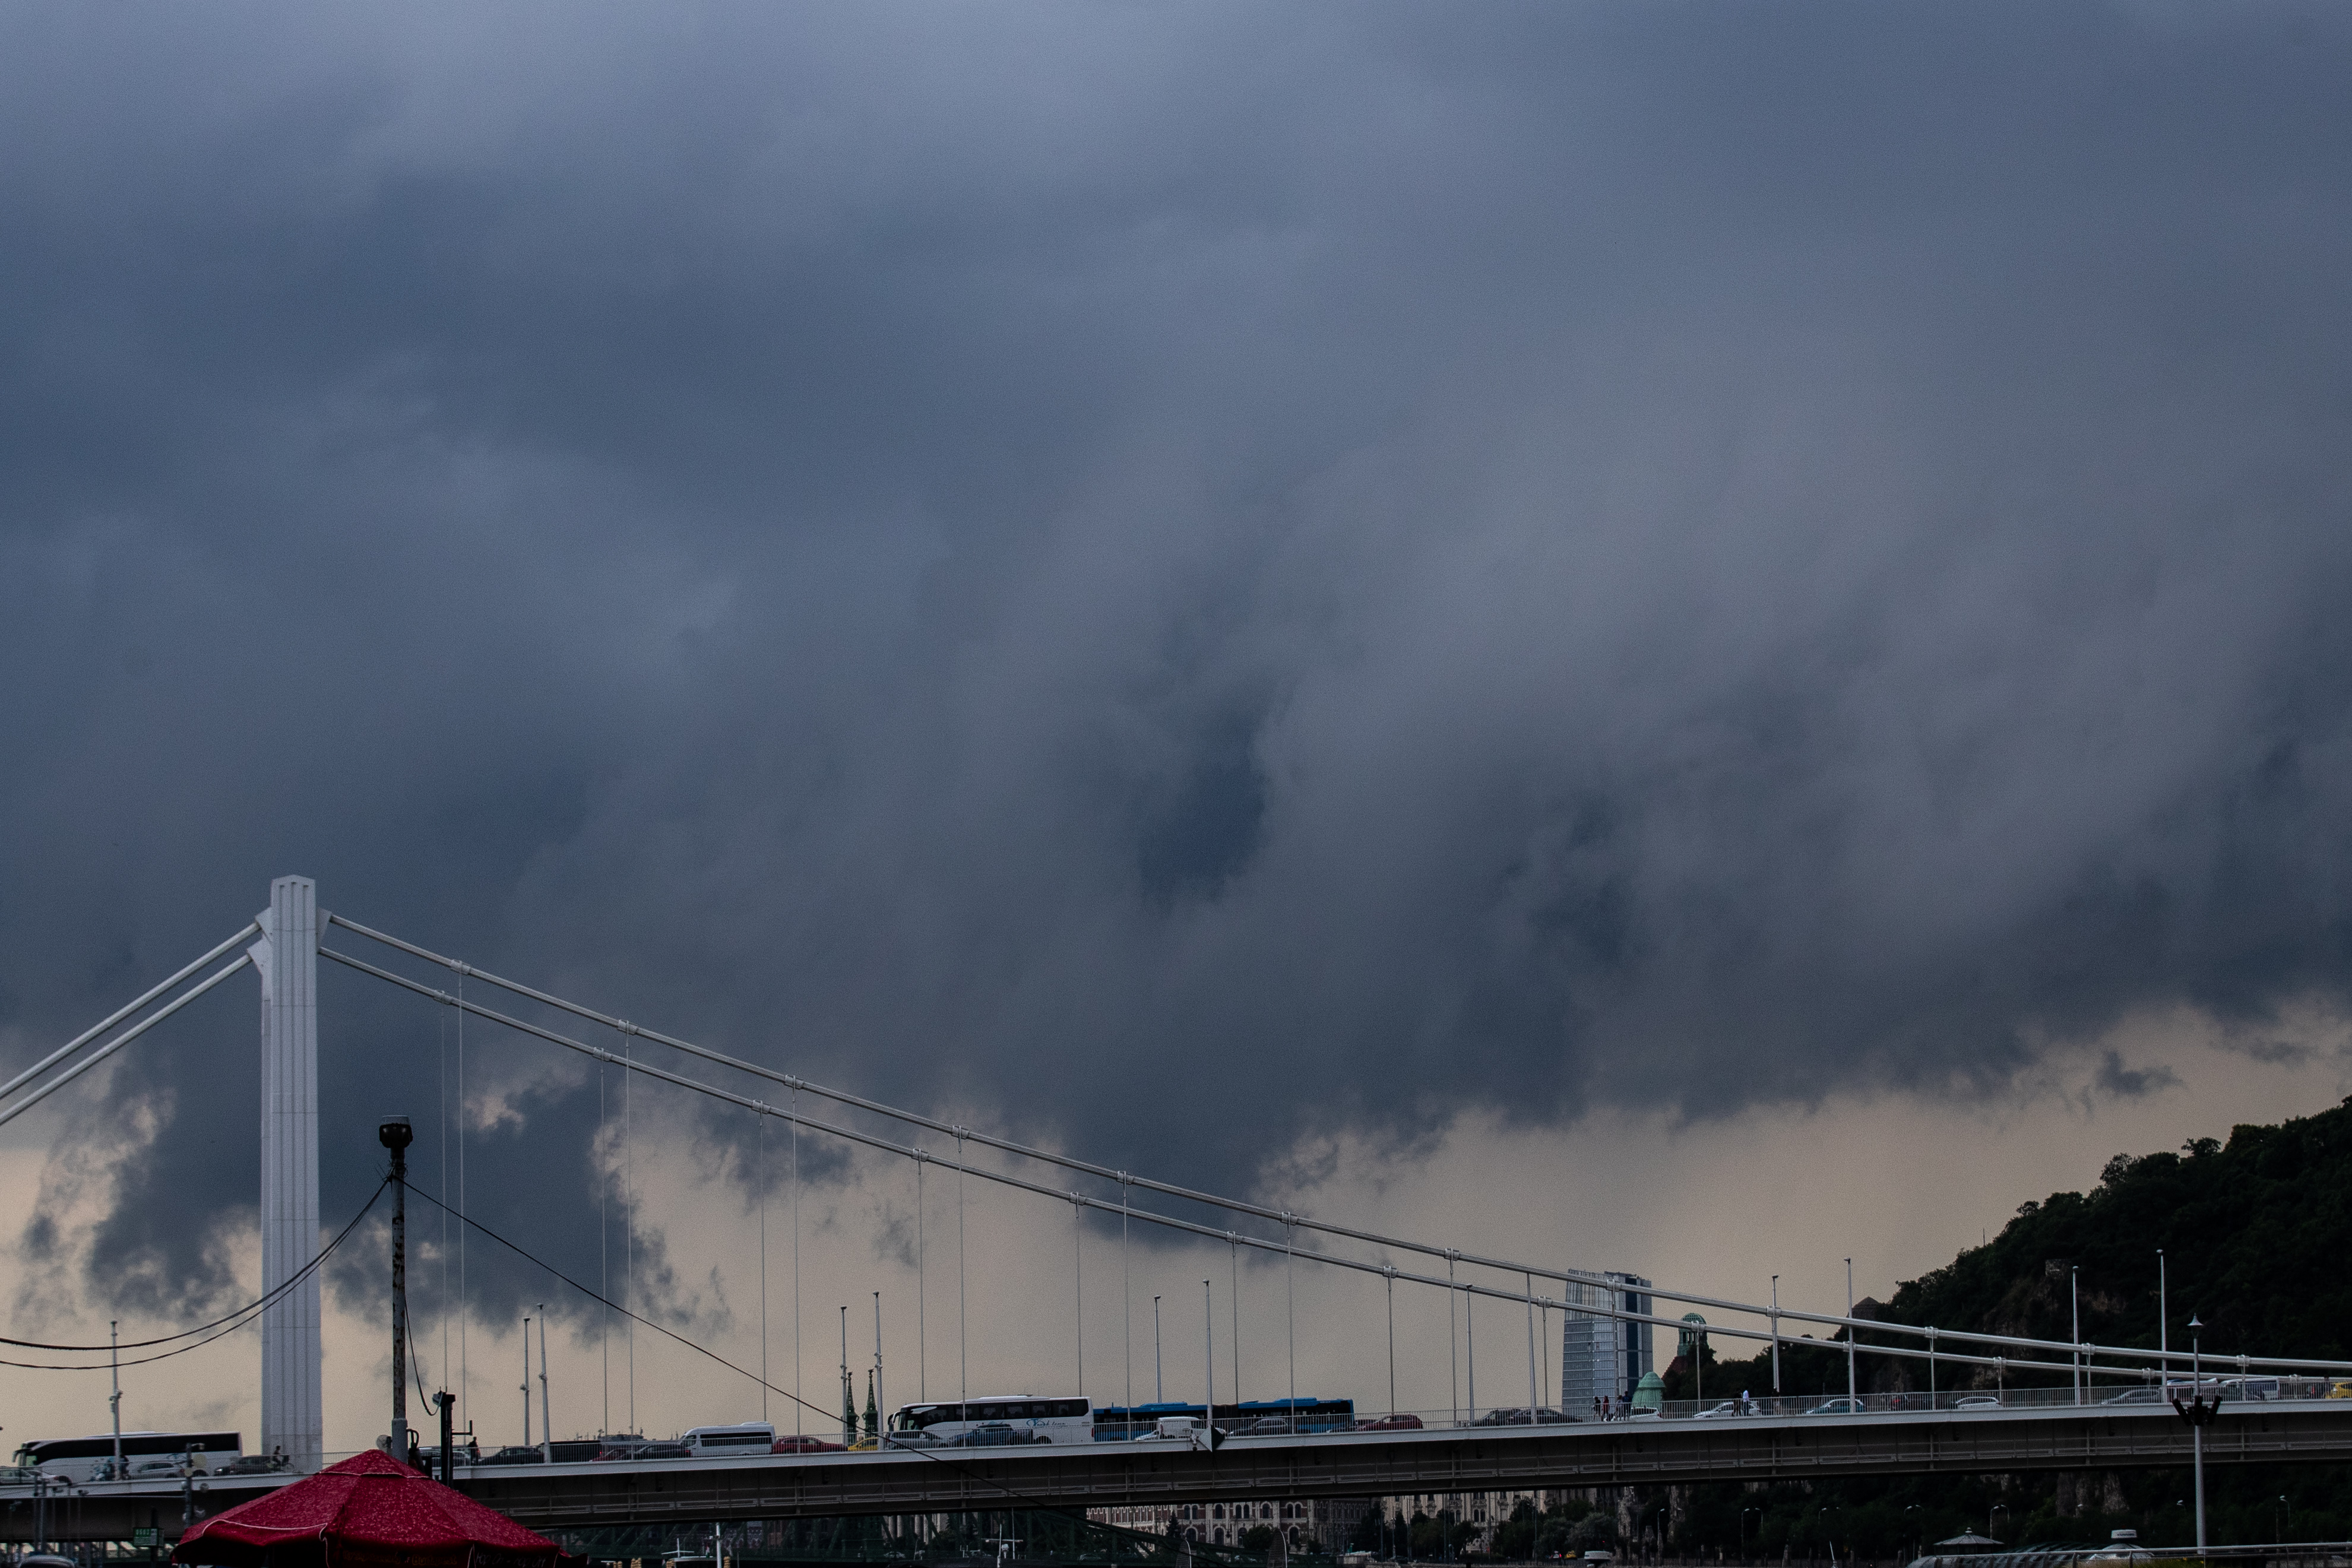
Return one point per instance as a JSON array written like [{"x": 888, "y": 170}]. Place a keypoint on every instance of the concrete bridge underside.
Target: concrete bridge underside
[{"x": 580, "y": 1497}]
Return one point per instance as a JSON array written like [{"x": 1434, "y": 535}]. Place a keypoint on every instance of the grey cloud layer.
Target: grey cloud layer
[{"x": 1193, "y": 574}]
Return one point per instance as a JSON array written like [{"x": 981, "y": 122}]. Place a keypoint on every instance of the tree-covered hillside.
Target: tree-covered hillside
[{"x": 2257, "y": 1236}]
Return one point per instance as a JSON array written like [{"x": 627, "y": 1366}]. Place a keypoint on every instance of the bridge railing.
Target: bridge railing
[{"x": 2119, "y": 1395}]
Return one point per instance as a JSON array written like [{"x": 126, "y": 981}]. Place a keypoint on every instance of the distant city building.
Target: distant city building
[{"x": 1602, "y": 1356}]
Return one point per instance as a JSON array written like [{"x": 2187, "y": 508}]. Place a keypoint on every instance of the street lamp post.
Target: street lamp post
[
  {"x": 1159, "y": 1389},
  {"x": 2199, "y": 1412},
  {"x": 1776, "y": 1337},
  {"x": 2075, "y": 1306},
  {"x": 1851, "y": 1401},
  {"x": 2163, "y": 1323}
]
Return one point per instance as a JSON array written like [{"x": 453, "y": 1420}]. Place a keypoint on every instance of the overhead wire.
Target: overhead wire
[{"x": 234, "y": 1322}]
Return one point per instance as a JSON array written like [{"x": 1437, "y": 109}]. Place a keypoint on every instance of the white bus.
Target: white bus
[
  {"x": 1012, "y": 1418},
  {"x": 83, "y": 1459},
  {"x": 730, "y": 1442}
]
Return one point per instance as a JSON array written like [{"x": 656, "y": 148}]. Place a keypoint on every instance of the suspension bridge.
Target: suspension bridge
[{"x": 2109, "y": 1414}]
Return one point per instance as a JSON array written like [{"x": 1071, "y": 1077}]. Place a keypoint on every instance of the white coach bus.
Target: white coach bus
[
  {"x": 730, "y": 1442},
  {"x": 83, "y": 1459},
  {"x": 1012, "y": 1418}
]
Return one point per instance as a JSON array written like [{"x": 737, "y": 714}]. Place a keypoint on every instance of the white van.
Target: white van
[{"x": 730, "y": 1442}]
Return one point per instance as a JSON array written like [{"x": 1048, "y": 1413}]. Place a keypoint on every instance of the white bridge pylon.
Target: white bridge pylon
[{"x": 286, "y": 957}]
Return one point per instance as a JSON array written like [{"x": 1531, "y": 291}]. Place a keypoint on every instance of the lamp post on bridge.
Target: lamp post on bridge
[{"x": 1852, "y": 1397}]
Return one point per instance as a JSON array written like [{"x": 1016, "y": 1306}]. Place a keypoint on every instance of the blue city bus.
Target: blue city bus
[{"x": 1124, "y": 1423}]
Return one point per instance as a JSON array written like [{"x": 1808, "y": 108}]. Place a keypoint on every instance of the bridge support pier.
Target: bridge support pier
[{"x": 286, "y": 957}]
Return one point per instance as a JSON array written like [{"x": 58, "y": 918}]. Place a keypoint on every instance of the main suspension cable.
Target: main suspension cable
[{"x": 1166, "y": 1222}]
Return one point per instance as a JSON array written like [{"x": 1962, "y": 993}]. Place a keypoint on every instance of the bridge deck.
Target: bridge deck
[{"x": 1355, "y": 1464}]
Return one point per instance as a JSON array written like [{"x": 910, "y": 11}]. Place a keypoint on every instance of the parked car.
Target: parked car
[
  {"x": 1977, "y": 1402},
  {"x": 515, "y": 1454},
  {"x": 1728, "y": 1407},
  {"x": 249, "y": 1465},
  {"x": 573, "y": 1451},
  {"x": 1402, "y": 1421},
  {"x": 17, "y": 1475},
  {"x": 619, "y": 1446},
  {"x": 664, "y": 1451},
  {"x": 148, "y": 1470},
  {"x": 915, "y": 1440},
  {"x": 1267, "y": 1426},
  {"x": 995, "y": 1435},
  {"x": 799, "y": 1444},
  {"x": 1837, "y": 1408},
  {"x": 2151, "y": 1395},
  {"x": 1520, "y": 1417}
]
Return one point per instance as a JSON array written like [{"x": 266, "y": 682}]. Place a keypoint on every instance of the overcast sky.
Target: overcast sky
[{"x": 1208, "y": 584}]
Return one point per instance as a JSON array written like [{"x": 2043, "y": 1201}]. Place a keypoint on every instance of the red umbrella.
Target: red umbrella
[{"x": 367, "y": 1511}]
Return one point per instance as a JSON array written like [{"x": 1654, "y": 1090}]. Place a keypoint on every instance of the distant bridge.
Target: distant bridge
[
  {"x": 284, "y": 944},
  {"x": 687, "y": 1492}
]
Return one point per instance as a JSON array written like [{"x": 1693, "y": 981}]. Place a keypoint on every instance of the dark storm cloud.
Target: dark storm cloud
[{"x": 1189, "y": 574}]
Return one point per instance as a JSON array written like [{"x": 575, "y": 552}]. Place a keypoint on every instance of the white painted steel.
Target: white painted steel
[
  {"x": 288, "y": 955},
  {"x": 119, "y": 1042},
  {"x": 116, "y": 1017}
]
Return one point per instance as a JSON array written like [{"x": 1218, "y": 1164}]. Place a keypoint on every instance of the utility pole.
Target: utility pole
[
  {"x": 114, "y": 1372},
  {"x": 546, "y": 1420},
  {"x": 881, "y": 1405},
  {"x": 526, "y": 1383},
  {"x": 394, "y": 1134},
  {"x": 1159, "y": 1388}
]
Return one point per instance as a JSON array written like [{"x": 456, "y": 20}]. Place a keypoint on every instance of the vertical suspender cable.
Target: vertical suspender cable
[
  {"x": 1126, "y": 1299},
  {"x": 1470, "y": 1347},
  {"x": 629, "y": 1222},
  {"x": 1290, "y": 1312},
  {"x": 443, "y": 1101},
  {"x": 800, "y": 1405},
  {"x": 922, "y": 1331},
  {"x": 1233, "y": 1250},
  {"x": 1534, "y": 1401},
  {"x": 1391, "y": 1273},
  {"x": 1452, "y": 1344},
  {"x": 604, "y": 1264},
  {"x": 1079, "y": 1283},
  {"x": 465, "y": 1300},
  {"x": 963, "y": 1341},
  {"x": 763, "y": 1266}
]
